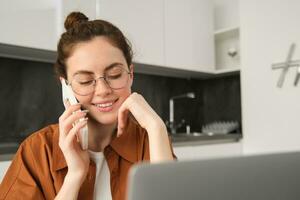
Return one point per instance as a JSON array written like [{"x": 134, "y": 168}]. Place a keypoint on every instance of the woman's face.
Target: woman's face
[{"x": 94, "y": 58}]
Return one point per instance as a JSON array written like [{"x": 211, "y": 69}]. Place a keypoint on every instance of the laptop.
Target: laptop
[{"x": 256, "y": 177}]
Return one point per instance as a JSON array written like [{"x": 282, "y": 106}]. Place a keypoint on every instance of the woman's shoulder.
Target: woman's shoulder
[{"x": 41, "y": 139}]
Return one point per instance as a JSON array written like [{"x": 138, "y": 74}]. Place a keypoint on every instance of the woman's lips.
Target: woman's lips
[{"x": 105, "y": 107}]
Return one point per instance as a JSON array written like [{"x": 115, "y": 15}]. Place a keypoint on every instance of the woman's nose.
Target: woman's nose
[{"x": 102, "y": 88}]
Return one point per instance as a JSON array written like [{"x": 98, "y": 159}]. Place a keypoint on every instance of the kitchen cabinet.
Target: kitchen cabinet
[
  {"x": 170, "y": 33},
  {"x": 208, "y": 151},
  {"x": 29, "y": 23},
  {"x": 227, "y": 49},
  {"x": 227, "y": 35},
  {"x": 189, "y": 39},
  {"x": 38, "y": 24},
  {"x": 142, "y": 22}
]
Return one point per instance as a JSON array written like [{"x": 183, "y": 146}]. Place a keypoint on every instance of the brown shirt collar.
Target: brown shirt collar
[{"x": 125, "y": 146}]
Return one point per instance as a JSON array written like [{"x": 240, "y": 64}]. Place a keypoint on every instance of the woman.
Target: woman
[{"x": 96, "y": 60}]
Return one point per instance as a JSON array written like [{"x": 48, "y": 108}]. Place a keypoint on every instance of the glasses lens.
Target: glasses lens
[
  {"x": 83, "y": 84},
  {"x": 117, "y": 77}
]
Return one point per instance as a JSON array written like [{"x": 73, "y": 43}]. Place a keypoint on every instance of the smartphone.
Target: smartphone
[{"x": 67, "y": 93}]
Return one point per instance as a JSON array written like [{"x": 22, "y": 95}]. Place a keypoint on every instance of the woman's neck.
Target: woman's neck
[{"x": 99, "y": 135}]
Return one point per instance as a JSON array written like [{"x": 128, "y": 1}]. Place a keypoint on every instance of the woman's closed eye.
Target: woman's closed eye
[
  {"x": 86, "y": 82},
  {"x": 113, "y": 76}
]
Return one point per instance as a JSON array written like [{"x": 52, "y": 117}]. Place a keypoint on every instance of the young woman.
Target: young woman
[{"x": 95, "y": 59}]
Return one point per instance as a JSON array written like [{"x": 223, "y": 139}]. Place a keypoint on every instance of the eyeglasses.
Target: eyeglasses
[{"x": 85, "y": 84}]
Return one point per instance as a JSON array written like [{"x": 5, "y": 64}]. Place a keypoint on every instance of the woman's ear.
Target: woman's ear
[
  {"x": 131, "y": 74},
  {"x": 131, "y": 71}
]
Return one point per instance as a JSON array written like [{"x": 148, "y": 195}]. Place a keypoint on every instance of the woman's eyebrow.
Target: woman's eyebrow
[
  {"x": 105, "y": 69},
  {"x": 83, "y": 72},
  {"x": 113, "y": 65}
]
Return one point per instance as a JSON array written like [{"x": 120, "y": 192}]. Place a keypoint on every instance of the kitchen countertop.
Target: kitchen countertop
[
  {"x": 7, "y": 150},
  {"x": 203, "y": 139}
]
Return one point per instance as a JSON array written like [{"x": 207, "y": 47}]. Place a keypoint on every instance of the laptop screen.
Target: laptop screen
[{"x": 258, "y": 177}]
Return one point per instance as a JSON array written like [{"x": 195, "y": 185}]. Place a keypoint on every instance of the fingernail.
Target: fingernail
[
  {"x": 85, "y": 111},
  {"x": 83, "y": 119},
  {"x": 66, "y": 101}
]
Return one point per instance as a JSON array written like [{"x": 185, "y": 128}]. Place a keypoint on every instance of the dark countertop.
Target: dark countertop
[
  {"x": 7, "y": 150},
  {"x": 202, "y": 139}
]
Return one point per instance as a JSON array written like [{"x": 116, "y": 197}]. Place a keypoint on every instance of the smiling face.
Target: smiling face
[{"x": 94, "y": 58}]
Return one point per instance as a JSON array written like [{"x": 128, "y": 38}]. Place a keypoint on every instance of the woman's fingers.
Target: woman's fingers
[
  {"x": 69, "y": 111},
  {"x": 124, "y": 111},
  {"x": 122, "y": 117},
  {"x": 140, "y": 110},
  {"x": 66, "y": 103},
  {"x": 74, "y": 131},
  {"x": 73, "y": 119}
]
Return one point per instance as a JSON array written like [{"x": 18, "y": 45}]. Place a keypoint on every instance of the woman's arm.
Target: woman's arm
[
  {"x": 70, "y": 188},
  {"x": 76, "y": 158},
  {"x": 160, "y": 148}
]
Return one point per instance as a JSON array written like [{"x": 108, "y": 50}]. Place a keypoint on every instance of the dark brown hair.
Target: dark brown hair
[{"x": 80, "y": 29}]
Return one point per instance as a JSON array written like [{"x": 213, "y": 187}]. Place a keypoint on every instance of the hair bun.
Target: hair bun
[{"x": 75, "y": 18}]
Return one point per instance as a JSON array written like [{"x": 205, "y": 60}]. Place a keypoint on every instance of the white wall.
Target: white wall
[
  {"x": 270, "y": 114},
  {"x": 3, "y": 168}
]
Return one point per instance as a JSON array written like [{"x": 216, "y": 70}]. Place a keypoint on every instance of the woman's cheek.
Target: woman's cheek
[
  {"x": 124, "y": 96},
  {"x": 84, "y": 100}
]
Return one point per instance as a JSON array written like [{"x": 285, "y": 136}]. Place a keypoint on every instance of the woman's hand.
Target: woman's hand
[
  {"x": 142, "y": 112},
  {"x": 159, "y": 145},
  {"x": 76, "y": 158}
]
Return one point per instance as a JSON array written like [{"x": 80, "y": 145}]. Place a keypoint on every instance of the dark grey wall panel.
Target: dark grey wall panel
[{"x": 30, "y": 98}]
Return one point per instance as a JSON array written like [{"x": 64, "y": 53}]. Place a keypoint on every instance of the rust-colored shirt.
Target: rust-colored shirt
[{"x": 38, "y": 168}]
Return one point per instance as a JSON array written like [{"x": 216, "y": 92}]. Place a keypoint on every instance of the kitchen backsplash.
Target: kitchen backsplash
[{"x": 31, "y": 98}]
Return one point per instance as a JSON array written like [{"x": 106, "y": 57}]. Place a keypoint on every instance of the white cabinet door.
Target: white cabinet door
[
  {"x": 189, "y": 34},
  {"x": 208, "y": 151},
  {"x": 270, "y": 114},
  {"x": 65, "y": 7},
  {"x": 142, "y": 23},
  {"x": 29, "y": 23},
  {"x": 172, "y": 33}
]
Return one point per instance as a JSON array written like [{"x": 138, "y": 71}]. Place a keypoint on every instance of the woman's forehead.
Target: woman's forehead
[
  {"x": 110, "y": 68},
  {"x": 95, "y": 55}
]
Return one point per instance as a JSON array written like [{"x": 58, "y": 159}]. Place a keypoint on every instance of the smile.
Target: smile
[{"x": 105, "y": 106}]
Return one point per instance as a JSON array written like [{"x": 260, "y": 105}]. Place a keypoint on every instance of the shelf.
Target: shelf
[
  {"x": 27, "y": 53},
  {"x": 48, "y": 56},
  {"x": 203, "y": 139},
  {"x": 226, "y": 33},
  {"x": 228, "y": 70},
  {"x": 227, "y": 40}
]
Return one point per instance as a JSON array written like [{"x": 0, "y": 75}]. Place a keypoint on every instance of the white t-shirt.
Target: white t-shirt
[{"x": 102, "y": 189}]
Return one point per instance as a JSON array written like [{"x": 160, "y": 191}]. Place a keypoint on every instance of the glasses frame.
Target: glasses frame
[{"x": 95, "y": 82}]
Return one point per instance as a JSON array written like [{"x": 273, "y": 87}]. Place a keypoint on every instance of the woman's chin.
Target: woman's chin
[{"x": 105, "y": 120}]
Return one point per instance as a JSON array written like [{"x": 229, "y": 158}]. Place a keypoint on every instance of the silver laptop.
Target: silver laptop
[{"x": 260, "y": 177}]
